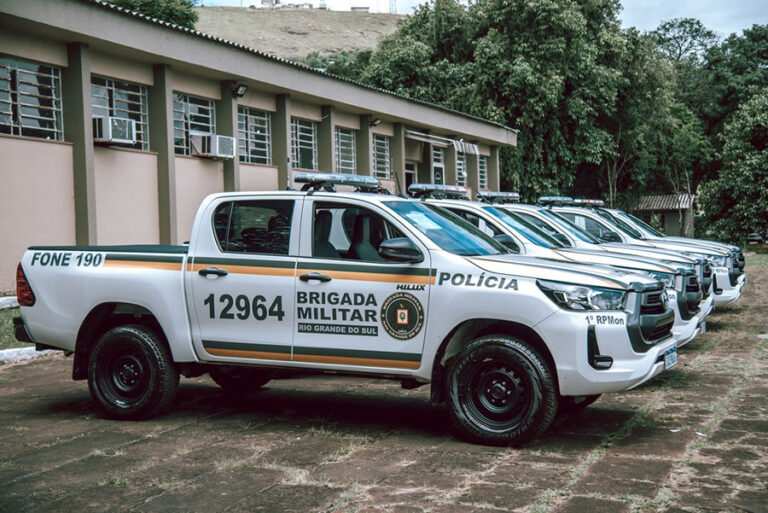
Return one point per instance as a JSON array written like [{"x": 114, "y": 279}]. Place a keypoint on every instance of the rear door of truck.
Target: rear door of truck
[{"x": 240, "y": 278}]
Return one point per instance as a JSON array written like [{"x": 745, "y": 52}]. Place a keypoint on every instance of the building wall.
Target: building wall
[
  {"x": 126, "y": 196},
  {"x": 258, "y": 178},
  {"x": 195, "y": 179},
  {"x": 37, "y": 205}
]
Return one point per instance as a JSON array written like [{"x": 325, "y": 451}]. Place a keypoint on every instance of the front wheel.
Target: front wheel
[
  {"x": 131, "y": 374},
  {"x": 501, "y": 391}
]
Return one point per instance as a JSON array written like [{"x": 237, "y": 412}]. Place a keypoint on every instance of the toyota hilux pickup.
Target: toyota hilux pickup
[
  {"x": 691, "y": 307},
  {"x": 358, "y": 283}
]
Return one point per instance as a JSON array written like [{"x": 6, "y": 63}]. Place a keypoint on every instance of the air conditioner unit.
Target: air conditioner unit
[
  {"x": 114, "y": 130},
  {"x": 212, "y": 145}
]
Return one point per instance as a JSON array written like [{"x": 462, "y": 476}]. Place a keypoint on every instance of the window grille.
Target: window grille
[
  {"x": 304, "y": 143},
  {"x": 191, "y": 114},
  {"x": 461, "y": 169},
  {"x": 30, "y": 99},
  {"x": 483, "y": 171},
  {"x": 112, "y": 98},
  {"x": 346, "y": 151},
  {"x": 381, "y": 164},
  {"x": 438, "y": 165},
  {"x": 254, "y": 134}
]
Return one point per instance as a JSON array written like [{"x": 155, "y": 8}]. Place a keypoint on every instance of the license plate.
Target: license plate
[
  {"x": 670, "y": 357},
  {"x": 703, "y": 327}
]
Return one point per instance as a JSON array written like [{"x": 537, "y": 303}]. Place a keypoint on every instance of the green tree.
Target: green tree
[
  {"x": 684, "y": 39},
  {"x": 737, "y": 202},
  {"x": 347, "y": 63},
  {"x": 178, "y": 12}
]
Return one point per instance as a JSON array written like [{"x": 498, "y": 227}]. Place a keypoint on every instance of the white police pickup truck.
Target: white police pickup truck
[{"x": 358, "y": 283}]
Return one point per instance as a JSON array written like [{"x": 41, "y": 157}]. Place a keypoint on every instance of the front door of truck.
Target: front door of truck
[
  {"x": 241, "y": 285},
  {"x": 353, "y": 307}
]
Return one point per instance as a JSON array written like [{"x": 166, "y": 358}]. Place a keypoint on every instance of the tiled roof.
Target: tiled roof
[
  {"x": 665, "y": 202},
  {"x": 134, "y": 14}
]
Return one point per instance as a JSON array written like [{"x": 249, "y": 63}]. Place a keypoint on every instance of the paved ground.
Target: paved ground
[{"x": 695, "y": 439}]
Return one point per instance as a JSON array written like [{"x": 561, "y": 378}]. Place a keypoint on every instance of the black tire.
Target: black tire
[
  {"x": 240, "y": 380},
  {"x": 569, "y": 404},
  {"x": 131, "y": 374},
  {"x": 500, "y": 391}
]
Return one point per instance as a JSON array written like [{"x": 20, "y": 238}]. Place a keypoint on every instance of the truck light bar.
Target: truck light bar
[
  {"x": 584, "y": 202},
  {"x": 499, "y": 197},
  {"x": 317, "y": 181},
  {"x": 433, "y": 190},
  {"x": 555, "y": 200}
]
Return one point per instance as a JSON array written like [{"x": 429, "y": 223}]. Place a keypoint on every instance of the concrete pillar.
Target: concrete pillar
[
  {"x": 397, "y": 155},
  {"x": 494, "y": 176},
  {"x": 473, "y": 174},
  {"x": 424, "y": 169},
  {"x": 160, "y": 102},
  {"x": 451, "y": 167},
  {"x": 281, "y": 140},
  {"x": 326, "y": 140},
  {"x": 226, "y": 124},
  {"x": 364, "y": 146},
  {"x": 78, "y": 129}
]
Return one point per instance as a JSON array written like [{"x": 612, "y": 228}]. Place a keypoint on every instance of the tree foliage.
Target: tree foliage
[
  {"x": 737, "y": 202},
  {"x": 178, "y": 12}
]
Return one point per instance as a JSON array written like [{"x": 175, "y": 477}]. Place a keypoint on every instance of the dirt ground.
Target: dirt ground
[{"x": 694, "y": 439}]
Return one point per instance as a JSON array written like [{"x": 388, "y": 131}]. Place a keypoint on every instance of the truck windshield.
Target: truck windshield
[
  {"x": 642, "y": 224},
  {"x": 616, "y": 221},
  {"x": 525, "y": 229},
  {"x": 449, "y": 231},
  {"x": 565, "y": 224}
]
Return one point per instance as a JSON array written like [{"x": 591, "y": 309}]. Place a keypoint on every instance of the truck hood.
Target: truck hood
[
  {"x": 588, "y": 275},
  {"x": 701, "y": 242},
  {"x": 628, "y": 262}
]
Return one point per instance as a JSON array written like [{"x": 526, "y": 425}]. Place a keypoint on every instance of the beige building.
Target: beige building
[{"x": 114, "y": 126}]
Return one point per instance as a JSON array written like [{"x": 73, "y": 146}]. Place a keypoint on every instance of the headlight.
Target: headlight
[
  {"x": 668, "y": 279},
  {"x": 578, "y": 297}
]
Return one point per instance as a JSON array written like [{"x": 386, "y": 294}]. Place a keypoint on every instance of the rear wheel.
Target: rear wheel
[
  {"x": 501, "y": 391},
  {"x": 131, "y": 374},
  {"x": 236, "y": 379}
]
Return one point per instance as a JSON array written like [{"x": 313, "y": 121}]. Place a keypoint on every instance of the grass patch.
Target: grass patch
[{"x": 7, "y": 338}]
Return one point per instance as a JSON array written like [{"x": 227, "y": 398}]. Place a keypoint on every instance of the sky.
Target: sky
[{"x": 723, "y": 16}]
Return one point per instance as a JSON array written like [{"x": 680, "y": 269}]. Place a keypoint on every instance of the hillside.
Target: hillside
[{"x": 296, "y": 32}]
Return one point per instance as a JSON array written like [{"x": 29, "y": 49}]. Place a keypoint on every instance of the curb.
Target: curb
[
  {"x": 8, "y": 302},
  {"x": 20, "y": 354}
]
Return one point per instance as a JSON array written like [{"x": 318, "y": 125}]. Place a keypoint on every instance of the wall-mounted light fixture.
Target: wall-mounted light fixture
[
  {"x": 239, "y": 90},
  {"x": 374, "y": 122}
]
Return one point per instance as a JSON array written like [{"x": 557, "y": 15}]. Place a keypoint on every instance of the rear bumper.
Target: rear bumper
[{"x": 20, "y": 330}]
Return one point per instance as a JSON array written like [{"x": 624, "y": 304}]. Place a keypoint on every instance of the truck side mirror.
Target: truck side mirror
[
  {"x": 507, "y": 241},
  {"x": 610, "y": 237},
  {"x": 401, "y": 249}
]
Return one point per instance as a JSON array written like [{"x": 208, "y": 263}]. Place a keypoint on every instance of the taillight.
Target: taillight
[{"x": 24, "y": 294}]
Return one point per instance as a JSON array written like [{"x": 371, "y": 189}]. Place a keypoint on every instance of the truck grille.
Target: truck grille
[
  {"x": 653, "y": 303},
  {"x": 657, "y": 333}
]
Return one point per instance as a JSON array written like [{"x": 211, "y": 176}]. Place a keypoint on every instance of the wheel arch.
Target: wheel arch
[
  {"x": 104, "y": 317},
  {"x": 469, "y": 330}
]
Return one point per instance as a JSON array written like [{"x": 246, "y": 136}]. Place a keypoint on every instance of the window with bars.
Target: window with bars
[
  {"x": 381, "y": 165},
  {"x": 438, "y": 165},
  {"x": 30, "y": 99},
  {"x": 346, "y": 151},
  {"x": 112, "y": 98},
  {"x": 254, "y": 136},
  {"x": 303, "y": 143},
  {"x": 483, "y": 171},
  {"x": 461, "y": 169},
  {"x": 190, "y": 115}
]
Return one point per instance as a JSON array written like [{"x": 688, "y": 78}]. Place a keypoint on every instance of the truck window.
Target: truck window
[
  {"x": 587, "y": 224},
  {"x": 351, "y": 232},
  {"x": 254, "y": 226}
]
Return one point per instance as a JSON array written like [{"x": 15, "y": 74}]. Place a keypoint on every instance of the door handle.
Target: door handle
[
  {"x": 315, "y": 276},
  {"x": 213, "y": 270}
]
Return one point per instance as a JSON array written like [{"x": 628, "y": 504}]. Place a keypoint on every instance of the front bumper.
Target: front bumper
[
  {"x": 725, "y": 293},
  {"x": 567, "y": 336},
  {"x": 685, "y": 331}
]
